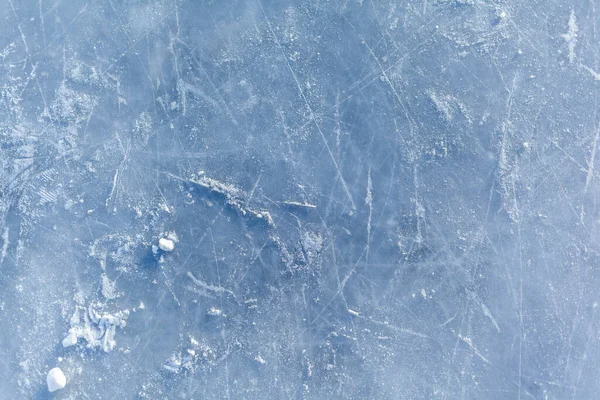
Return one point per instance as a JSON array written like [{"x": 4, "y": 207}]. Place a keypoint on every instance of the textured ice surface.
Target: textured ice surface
[{"x": 372, "y": 199}]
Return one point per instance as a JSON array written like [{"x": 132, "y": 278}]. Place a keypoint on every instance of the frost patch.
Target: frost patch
[
  {"x": 71, "y": 106},
  {"x": 143, "y": 128},
  {"x": 109, "y": 288},
  {"x": 448, "y": 106},
  {"x": 312, "y": 244}
]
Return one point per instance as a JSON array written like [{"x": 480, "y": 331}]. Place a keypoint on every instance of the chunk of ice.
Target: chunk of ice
[
  {"x": 166, "y": 244},
  {"x": 56, "y": 380},
  {"x": 70, "y": 340}
]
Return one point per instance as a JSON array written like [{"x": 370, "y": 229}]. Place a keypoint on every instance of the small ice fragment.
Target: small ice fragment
[
  {"x": 173, "y": 236},
  {"x": 172, "y": 366},
  {"x": 260, "y": 359},
  {"x": 214, "y": 311},
  {"x": 352, "y": 312},
  {"x": 298, "y": 204},
  {"x": 166, "y": 244},
  {"x": 70, "y": 340},
  {"x": 68, "y": 204},
  {"x": 56, "y": 379}
]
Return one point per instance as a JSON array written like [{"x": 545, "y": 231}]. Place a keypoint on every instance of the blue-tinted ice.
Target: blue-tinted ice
[{"x": 363, "y": 199}]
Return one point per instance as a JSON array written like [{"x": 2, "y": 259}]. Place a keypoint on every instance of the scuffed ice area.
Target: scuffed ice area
[{"x": 300, "y": 199}]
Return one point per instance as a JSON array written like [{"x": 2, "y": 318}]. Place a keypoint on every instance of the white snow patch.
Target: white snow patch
[{"x": 56, "y": 379}]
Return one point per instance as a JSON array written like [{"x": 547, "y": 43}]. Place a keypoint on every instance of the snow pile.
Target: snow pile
[{"x": 97, "y": 328}]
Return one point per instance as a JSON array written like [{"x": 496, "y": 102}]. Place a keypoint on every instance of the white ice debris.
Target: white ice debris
[
  {"x": 448, "y": 106},
  {"x": 298, "y": 204},
  {"x": 214, "y": 311},
  {"x": 166, "y": 244},
  {"x": 70, "y": 340},
  {"x": 571, "y": 36},
  {"x": 173, "y": 236},
  {"x": 187, "y": 359},
  {"x": 234, "y": 197},
  {"x": 260, "y": 359},
  {"x": 207, "y": 288},
  {"x": 312, "y": 243},
  {"x": 97, "y": 328},
  {"x": 56, "y": 380},
  {"x": 109, "y": 288}
]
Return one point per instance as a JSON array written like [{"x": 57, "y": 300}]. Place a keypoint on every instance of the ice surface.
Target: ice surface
[{"x": 366, "y": 199}]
